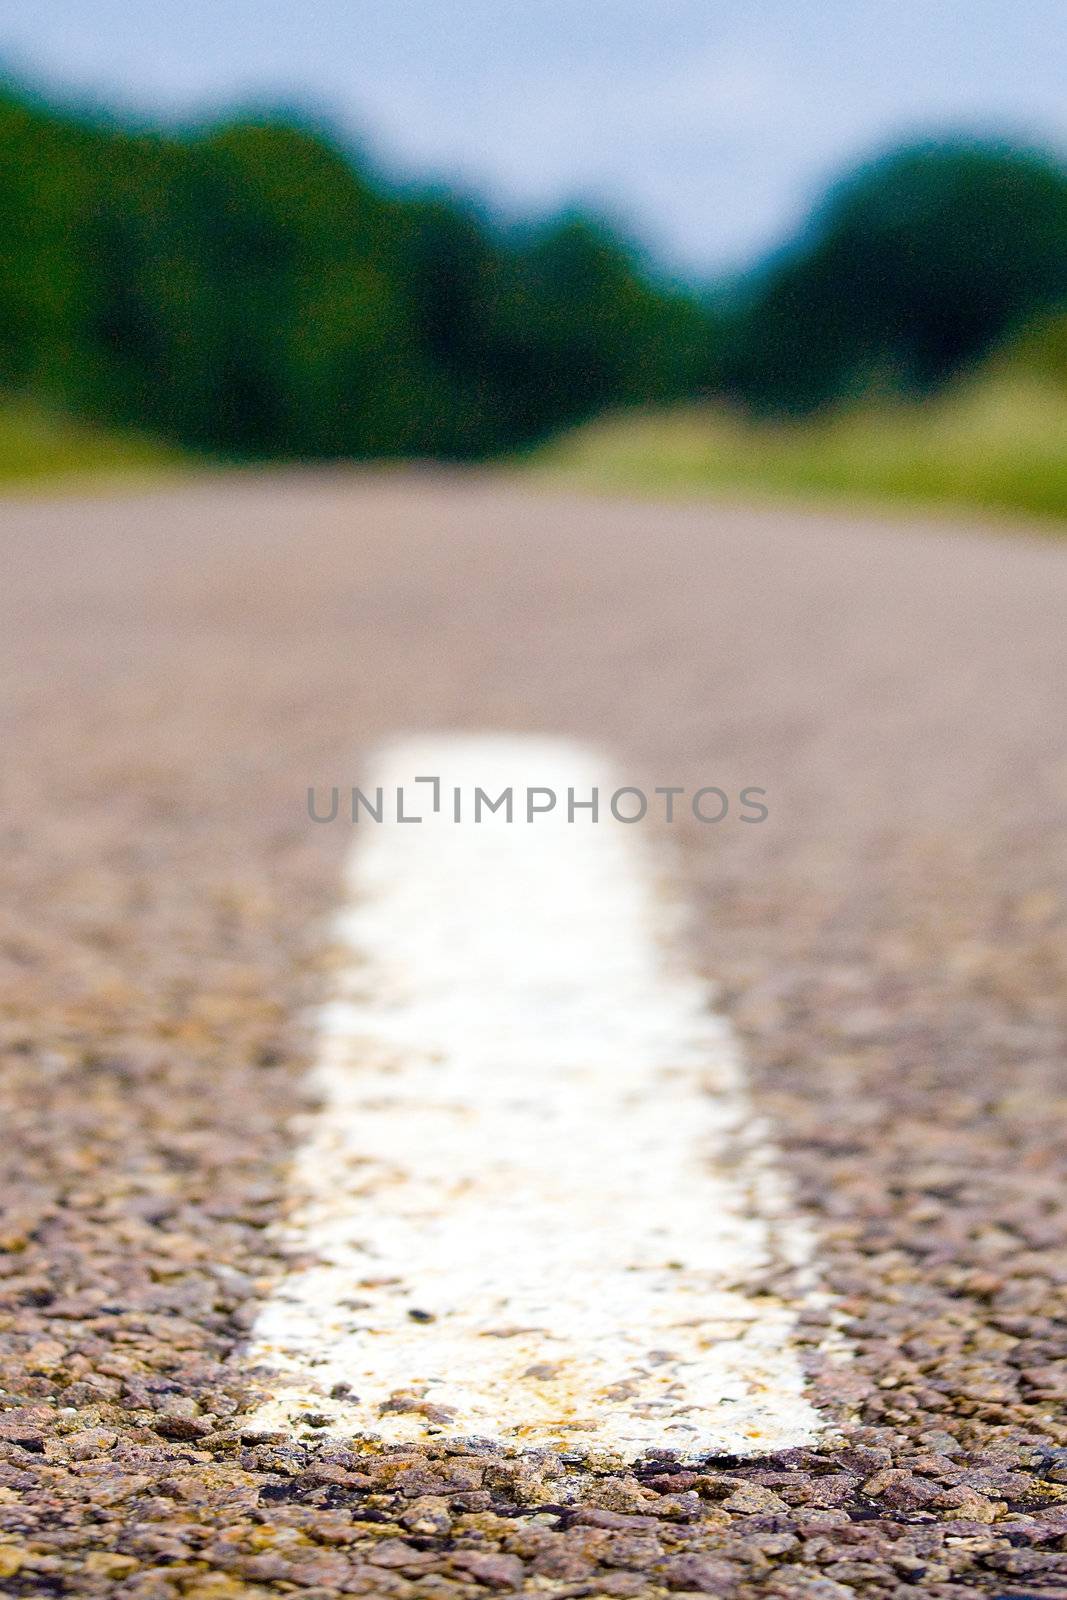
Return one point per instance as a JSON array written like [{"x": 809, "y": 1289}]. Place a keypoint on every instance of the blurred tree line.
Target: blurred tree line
[
  {"x": 249, "y": 288},
  {"x": 909, "y": 273},
  {"x": 252, "y": 289}
]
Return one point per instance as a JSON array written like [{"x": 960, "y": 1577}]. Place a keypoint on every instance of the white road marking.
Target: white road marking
[{"x": 535, "y": 1205}]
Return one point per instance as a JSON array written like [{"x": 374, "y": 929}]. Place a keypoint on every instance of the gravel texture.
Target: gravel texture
[{"x": 176, "y": 668}]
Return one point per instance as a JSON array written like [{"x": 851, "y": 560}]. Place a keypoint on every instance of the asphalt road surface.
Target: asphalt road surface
[{"x": 888, "y": 946}]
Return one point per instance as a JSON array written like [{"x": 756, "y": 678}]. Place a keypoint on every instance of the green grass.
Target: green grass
[
  {"x": 998, "y": 443},
  {"x": 39, "y": 446}
]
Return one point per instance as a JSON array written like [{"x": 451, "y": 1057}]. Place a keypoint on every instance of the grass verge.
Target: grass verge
[
  {"x": 999, "y": 444},
  {"x": 39, "y": 446}
]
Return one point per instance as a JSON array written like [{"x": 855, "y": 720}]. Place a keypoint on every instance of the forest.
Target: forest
[{"x": 256, "y": 289}]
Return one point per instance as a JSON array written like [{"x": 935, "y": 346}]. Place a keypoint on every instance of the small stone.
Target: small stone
[
  {"x": 428, "y": 1516},
  {"x": 90, "y": 1442},
  {"x": 598, "y": 1517},
  {"x": 900, "y": 1489},
  {"x": 11, "y": 1560},
  {"x": 751, "y": 1499},
  {"x": 109, "y": 1564},
  {"x": 181, "y": 1428},
  {"x": 966, "y": 1502},
  {"x": 797, "y": 1583},
  {"x": 700, "y": 1575},
  {"x": 495, "y": 1571}
]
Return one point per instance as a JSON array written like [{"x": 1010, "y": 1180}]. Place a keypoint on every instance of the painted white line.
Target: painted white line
[{"x": 535, "y": 1206}]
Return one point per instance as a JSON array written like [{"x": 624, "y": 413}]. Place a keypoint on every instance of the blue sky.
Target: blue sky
[{"x": 705, "y": 126}]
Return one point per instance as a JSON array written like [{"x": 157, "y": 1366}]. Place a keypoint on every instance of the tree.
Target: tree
[{"x": 910, "y": 271}]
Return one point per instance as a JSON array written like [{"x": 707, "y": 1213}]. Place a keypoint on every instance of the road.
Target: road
[{"x": 178, "y": 667}]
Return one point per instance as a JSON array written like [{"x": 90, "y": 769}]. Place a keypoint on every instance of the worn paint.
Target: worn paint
[{"x": 536, "y": 1205}]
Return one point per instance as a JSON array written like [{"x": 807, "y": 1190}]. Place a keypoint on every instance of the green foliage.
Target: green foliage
[
  {"x": 908, "y": 274},
  {"x": 251, "y": 289}
]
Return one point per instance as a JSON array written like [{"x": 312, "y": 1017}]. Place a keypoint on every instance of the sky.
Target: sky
[{"x": 705, "y": 128}]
